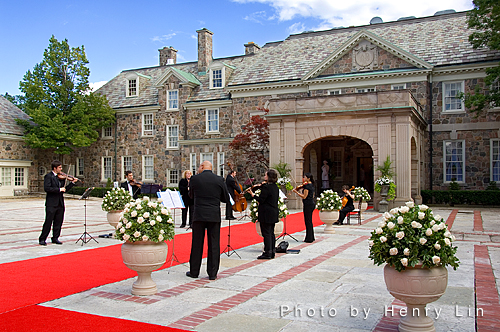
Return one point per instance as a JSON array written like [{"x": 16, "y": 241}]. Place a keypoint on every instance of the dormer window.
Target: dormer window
[
  {"x": 132, "y": 85},
  {"x": 217, "y": 73},
  {"x": 172, "y": 99}
]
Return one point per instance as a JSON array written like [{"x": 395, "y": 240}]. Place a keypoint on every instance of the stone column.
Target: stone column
[
  {"x": 292, "y": 156},
  {"x": 403, "y": 160},
  {"x": 274, "y": 142}
]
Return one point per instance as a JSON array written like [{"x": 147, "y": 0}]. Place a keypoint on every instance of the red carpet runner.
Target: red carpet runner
[{"x": 33, "y": 281}]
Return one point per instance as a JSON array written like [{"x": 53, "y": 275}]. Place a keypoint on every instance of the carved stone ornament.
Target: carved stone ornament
[{"x": 364, "y": 56}]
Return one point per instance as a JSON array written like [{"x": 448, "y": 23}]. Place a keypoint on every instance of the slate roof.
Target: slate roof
[
  {"x": 439, "y": 40},
  {"x": 8, "y": 115}
]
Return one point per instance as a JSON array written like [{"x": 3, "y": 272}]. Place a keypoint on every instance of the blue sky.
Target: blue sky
[{"x": 125, "y": 34}]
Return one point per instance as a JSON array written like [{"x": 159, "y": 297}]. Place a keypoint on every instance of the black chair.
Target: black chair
[{"x": 355, "y": 213}]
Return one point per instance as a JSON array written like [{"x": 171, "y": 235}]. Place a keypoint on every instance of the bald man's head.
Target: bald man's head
[{"x": 206, "y": 165}]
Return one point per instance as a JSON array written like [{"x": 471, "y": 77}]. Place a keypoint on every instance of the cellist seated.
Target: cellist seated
[
  {"x": 234, "y": 189},
  {"x": 347, "y": 204}
]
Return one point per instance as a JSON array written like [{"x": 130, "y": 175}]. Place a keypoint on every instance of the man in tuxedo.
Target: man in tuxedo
[
  {"x": 231, "y": 185},
  {"x": 130, "y": 185},
  {"x": 54, "y": 204},
  {"x": 208, "y": 190}
]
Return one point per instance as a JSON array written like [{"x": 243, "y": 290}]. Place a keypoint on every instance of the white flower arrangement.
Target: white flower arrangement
[
  {"x": 384, "y": 180},
  {"x": 254, "y": 208},
  {"x": 412, "y": 235},
  {"x": 329, "y": 201},
  {"x": 284, "y": 181},
  {"x": 145, "y": 220},
  {"x": 361, "y": 193},
  {"x": 116, "y": 199}
]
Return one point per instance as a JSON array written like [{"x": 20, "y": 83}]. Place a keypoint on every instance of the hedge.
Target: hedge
[
  {"x": 479, "y": 197},
  {"x": 101, "y": 192}
]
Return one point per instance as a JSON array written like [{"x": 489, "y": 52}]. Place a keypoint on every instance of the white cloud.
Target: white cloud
[
  {"x": 296, "y": 28},
  {"x": 257, "y": 17},
  {"x": 163, "y": 38},
  {"x": 96, "y": 85}
]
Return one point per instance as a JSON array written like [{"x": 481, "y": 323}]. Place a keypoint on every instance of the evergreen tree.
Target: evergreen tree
[{"x": 65, "y": 113}]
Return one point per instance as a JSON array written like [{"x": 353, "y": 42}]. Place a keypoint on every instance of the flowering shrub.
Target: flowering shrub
[
  {"x": 285, "y": 182},
  {"x": 116, "y": 199},
  {"x": 254, "y": 208},
  {"x": 411, "y": 235},
  {"x": 391, "y": 194},
  {"x": 329, "y": 201},
  {"x": 361, "y": 193},
  {"x": 144, "y": 220}
]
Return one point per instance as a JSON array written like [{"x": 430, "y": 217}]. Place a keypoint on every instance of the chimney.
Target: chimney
[
  {"x": 204, "y": 49},
  {"x": 251, "y": 48},
  {"x": 168, "y": 56}
]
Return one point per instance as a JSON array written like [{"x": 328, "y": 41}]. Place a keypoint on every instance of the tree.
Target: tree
[
  {"x": 485, "y": 20},
  {"x": 252, "y": 145},
  {"x": 13, "y": 99},
  {"x": 64, "y": 112}
]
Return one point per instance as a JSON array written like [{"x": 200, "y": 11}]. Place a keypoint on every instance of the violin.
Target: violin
[
  {"x": 345, "y": 199},
  {"x": 300, "y": 186},
  {"x": 255, "y": 186},
  {"x": 135, "y": 183},
  {"x": 64, "y": 176}
]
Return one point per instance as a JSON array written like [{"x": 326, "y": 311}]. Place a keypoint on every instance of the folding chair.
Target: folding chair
[{"x": 355, "y": 212}]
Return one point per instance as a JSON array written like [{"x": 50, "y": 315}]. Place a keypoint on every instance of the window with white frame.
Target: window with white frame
[
  {"x": 172, "y": 99},
  {"x": 173, "y": 177},
  {"x": 79, "y": 167},
  {"x": 216, "y": 79},
  {"x": 401, "y": 86},
  {"x": 495, "y": 160},
  {"x": 337, "y": 169},
  {"x": 220, "y": 163},
  {"x": 42, "y": 170},
  {"x": 107, "y": 132},
  {"x": 495, "y": 87},
  {"x": 126, "y": 165},
  {"x": 107, "y": 168},
  {"x": 172, "y": 137},
  {"x": 148, "y": 167},
  {"x": 6, "y": 179},
  {"x": 451, "y": 101},
  {"x": 366, "y": 89},
  {"x": 193, "y": 165},
  {"x": 19, "y": 176},
  {"x": 207, "y": 156},
  {"x": 147, "y": 124},
  {"x": 132, "y": 87},
  {"x": 454, "y": 161},
  {"x": 335, "y": 92},
  {"x": 213, "y": 121}
]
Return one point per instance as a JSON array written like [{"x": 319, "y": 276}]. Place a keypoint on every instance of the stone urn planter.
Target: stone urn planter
[
  {"x": 364, "y": 206},
  {"x": 383, "y": 205},
  {"x": 144, "y": 257},
  {"x": 416, "y": 287},
  {"x": 329, "y": 217},
  {"x": 278, "y": 228},
  {"x": 113, "y": 217}
]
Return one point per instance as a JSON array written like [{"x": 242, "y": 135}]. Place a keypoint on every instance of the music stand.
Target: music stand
[
  {"x": 229, "y": 250},
  {"x": 86, "y": 237},
  {"x": 284, "y": 223},
  {"x": 172, "y": 200}
]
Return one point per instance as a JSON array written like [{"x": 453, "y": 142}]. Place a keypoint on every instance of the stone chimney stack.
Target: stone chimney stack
[
  {"x": 251, "y": 48},
  {"x": 204, "y": 49},
  {"x": 168, "y": 56}
]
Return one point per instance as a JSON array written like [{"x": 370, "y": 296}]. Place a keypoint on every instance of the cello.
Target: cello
[{"x": 240, "y": 202}]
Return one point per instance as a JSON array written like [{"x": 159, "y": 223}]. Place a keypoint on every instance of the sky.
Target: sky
[{"x": 120, "y": 35}]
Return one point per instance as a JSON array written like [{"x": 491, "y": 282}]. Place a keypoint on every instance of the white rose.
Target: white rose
[
  {"x": 435, "y": 228},
  {"x": 379, "y": 230},
  {"x": 381, "y": 224},
  {"x": 437, "y": 246},
  {"x": 447, "y": 233},
  {"x": 158, "y": 218},
  {"x": 404, "y": 261},
  {"x": 146, "y": 198},
  {"x": 438, "y": 217},
  {"x": 453, "y": 238},
  {"x": 160, "y": 237},
  {"x": 146, "y": 215},
  {"x": 160, "y": 200},
  {"x": 139, "y": 207},
  {"x": 152, "y": 222},
  {"x": 119, "y": 225},
  {"x": 390, "y": 225},
  {"x": 126, "y": 237},
  {"x": 447, "y": 241},
  {"x": 383, "y": 239},
  {"x": 432, "y": 222},
  {"x": 404, "y": 209},
  {"x": 137, "y": 234},
  {"x": 164, "y": 211},
  {"x": 394, "y": 211},
  {"x": 393, "y": 251},
  {"x": 421, "y": 215},
  {"x": 370, "y": 243},
  {"x": 400, "y": 235},
  {"x": 428, "y": 232},
  {"x": 416, "y": 224},
  {"x": 122, "y": 230},
  {"x": 145, "y": 238},
  {"x": 423, "y": 207},
  {"x": 133, "y": 214},
  {"x": 406, "y": 252},
  {"x": 436, "y": 259},
  {"x": 410, "y": 204},
  {"x": 423, "y": 240},
  {"x": 128, "y": 225},
  {"x": 442, "y": 225},
  {"x": 400, "y": 220},
  {"x": 140, "y": 220},
  {"x": 387, "y": 215}
]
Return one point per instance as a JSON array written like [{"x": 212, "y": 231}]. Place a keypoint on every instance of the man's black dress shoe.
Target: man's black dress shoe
[
  {"x": 182, "y": 226},
  {"x": 56, "y": 242},
  {"x": 212, "y": 277},
  {"x": 42, "y": 243},
  {"x": 230, "y": 218},
  {"x": 188, "y": 273},
  {"x": 264, "y": 257}
]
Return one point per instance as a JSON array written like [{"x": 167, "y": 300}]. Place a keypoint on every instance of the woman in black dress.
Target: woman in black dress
[
  {"x": 307, "y": 196},
  {"x": 268, "y": 212},
  {"x": 349, "y": 206},
  {"x": 188, "y": 202}
]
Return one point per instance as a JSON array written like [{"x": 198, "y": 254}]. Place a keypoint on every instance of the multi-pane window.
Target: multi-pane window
[
  {"x": 107, "y": 168},
  {"x": 126, "y": 164},
  {"x": 79, "y": 167},
  {"x": 495, "y": 160},
  {"x": 207, "y": 156},
  {"x": 398, "y": 86},
  {"x": 107, "y": 132},
  {"x": 368, "y": 89},
  {"x": 148, "y": 167},
  {"x": 6, "y": 176},
  {"x": 220, "y": 163},
  {"x": 454, "y": 161},
  {"x": 147, "y": 124},
  {"x": 335, "y": 92},
  {"x": 132, "y": 88},
  {"x": 212, "y": 120},
  {"x": 193, "y": 165},
  {"x": 172, "y": 99},
  {"x": 173, "y": 177},
  {"x": 494, "y": 88},
  {"x": 217, "y": 78},
  {"x": 18, "y": 176},
  {"x": 337, "y": 163},
  {"x": 451, "y": 100},
  {"x": 172, "y": 136}
]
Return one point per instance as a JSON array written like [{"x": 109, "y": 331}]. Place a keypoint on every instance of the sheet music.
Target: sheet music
[
  {"x": 171, "y": 199},
  {"x": 176, "y": 199},
  {"x": 282, "y": 195}
]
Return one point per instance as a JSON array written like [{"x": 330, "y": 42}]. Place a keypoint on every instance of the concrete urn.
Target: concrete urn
[
  {"x": 278, "y": 228},
  {"x": 114, "y": 217},
  {"x": 329, "y": 217},
  {"x": 144, "y": 257}
]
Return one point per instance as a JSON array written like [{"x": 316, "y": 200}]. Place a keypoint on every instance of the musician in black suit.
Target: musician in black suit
[
  {"x": 130, "y": 185},
  {"x": 208, "y": 190},
  {"x": 54, "y": 203},
  {"x": 349, "y": 206},
  {"x": 268, "y": 212},
  {"x": 188, "y": 202},
  {"x": 231, "y": 185}
]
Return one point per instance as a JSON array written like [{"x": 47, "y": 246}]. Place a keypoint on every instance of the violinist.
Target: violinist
[
  {"x": 232, "y": 186},
  {"x": 54, "y": 203},
  {"x": 268, "y": 211},
  {"x": 347, "y": 204},
  {"x": 131, "y": 185},
  {"x": 307, "y": 196}
]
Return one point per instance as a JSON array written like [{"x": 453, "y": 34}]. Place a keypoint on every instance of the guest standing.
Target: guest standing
[
  {"x": 268, "y": 212},
  {"x": 208, "y": 190},
  {"x": 131, "y": 185},
  {"x": 54, "y": 203},
  {"x": 188, "y": 202},
  {"x": 307, "y": 196},
  {"x": 349, "y": 206}
]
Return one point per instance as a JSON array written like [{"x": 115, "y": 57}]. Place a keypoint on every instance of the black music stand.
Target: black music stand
[
  {"x": 86, "y": 237},
  {"x": 229, "y": 250},
  {"x": 285, "y": 233},
  {"x": 173, "y": 257}
]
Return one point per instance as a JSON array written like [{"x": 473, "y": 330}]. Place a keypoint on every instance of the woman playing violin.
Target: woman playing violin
[
  {"x": 131, "y": 185},
  {"x": 307, "y": 196},
  {"x": 348, "y": 206}
]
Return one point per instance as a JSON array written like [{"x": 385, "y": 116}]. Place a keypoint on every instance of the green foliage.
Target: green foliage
[
  {"x": 454, "y": 185},
  {"x": 361, "y": 193},
  {"x": 386, "y": 169},
  {"x": 482, "y": 197},
  {"x": 329, "y": 201},
  {"x": 484, "y": 19},
  {"x": 96, "y": 192},
  {"x": 13, "y": 99},
  {"x": 492, "y": 186},
  {"x": 57, "y": 97},
  {"x": 283, "y": 169},
  {"x": 116, "y": 199},
  {"x": 109, "y": 183},
  {"x": 391, "y": 194}
]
